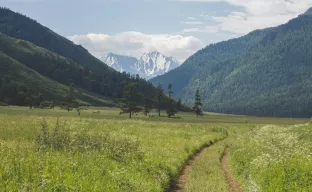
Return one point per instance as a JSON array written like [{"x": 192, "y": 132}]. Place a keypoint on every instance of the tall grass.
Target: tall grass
[
  {"x": 274, "y": 158},
  {"x": 75, "y": 154}
]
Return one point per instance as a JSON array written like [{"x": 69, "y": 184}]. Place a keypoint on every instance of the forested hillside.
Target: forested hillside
[
  {"x": 267, "y": 72},
  {"x": 18, "y": 82},
  {"x": 32, "y": 51},
  {"x": 81, "y": 67}
]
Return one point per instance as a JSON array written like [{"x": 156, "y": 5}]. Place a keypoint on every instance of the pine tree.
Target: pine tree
[
  {"x": 159, "y": 97},
  {"x": 171, "y": 111},
  {"x": 198, "y": 104},
  {"x": 129, "y": 99},
  {"x": 148, "y": 105}
]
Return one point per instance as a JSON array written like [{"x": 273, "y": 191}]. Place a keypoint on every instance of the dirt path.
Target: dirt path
[
  {"x": 180, "y": 184},
  {"x": 234, "y": 186}
]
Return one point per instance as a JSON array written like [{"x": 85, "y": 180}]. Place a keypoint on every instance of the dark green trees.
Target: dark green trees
[
  {"x": 171, "y": 111},
  {"x": 159, "y": 97},
  {"x": 197, "y": 104},
  {"x": 129, "y": 99},
  {"x": 148, "y": 105},
  {"x": 70, "y": 98},
  {"x": 179, "y": 104}
]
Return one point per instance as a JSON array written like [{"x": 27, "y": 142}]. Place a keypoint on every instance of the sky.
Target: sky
[{"x": 175, "y": 28}]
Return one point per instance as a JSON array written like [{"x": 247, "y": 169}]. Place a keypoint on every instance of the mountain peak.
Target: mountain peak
[
  {"x": 149, "y": 65},
  {"x": 308, "y": 12}
]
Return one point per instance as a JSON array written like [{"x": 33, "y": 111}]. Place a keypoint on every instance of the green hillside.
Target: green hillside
[
  {"x": 56, "y": 58},
  {"x": 19, "y": 81},
  {"x": 62, "y": 60},
  {"x": 266, "y": 72}
]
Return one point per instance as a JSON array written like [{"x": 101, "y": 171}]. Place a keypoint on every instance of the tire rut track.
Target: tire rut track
[
  {"x": 234, "y": 186},
  {"x": 178, "y": 186}
]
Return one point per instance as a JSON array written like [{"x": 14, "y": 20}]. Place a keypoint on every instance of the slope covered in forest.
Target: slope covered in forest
[
  {"x": 59, "y": 60},
  {"x": 267, "y": 72}
]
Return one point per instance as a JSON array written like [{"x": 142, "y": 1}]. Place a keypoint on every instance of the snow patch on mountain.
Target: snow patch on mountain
[{"x": 149, "y": 65}]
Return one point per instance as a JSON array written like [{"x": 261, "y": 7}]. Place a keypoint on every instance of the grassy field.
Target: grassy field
[
  {"x": 274, "y": 158},
  {"x": 56, "y": 150}
]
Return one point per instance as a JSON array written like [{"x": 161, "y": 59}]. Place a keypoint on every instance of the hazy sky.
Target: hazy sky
[{"x": 175, "y": 28}]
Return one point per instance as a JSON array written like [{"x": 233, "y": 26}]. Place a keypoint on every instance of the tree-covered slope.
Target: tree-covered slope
[
  {"x": 18, "y": 82},
  {"x": 57, "y": 58},
  {"x": 21, "y": 27},
  {"x": 271, "y": 76},
  {"x": 90, "y": 73},
  {"x": 208, "y": 59}
]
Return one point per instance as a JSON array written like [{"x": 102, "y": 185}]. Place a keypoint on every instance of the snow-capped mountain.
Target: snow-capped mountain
[
  {"x": 120, "y": 63},
  {"x": 149, "y": 65}
]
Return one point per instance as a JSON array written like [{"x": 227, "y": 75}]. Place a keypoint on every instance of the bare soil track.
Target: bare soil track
[
  {"x": 234, "y": 186},
  {"x": 178, "y": 186}
]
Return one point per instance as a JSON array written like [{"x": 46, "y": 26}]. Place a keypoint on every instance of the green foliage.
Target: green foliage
[
  {"x": 197, "y": 104},
  {"x": 265, "y": 73},
  {"x": 69, "y": 101},
  {"x": 171, "y": 110},
  {"x": 129, "y": 99},
  {"x": 148, "y": 105},
  {"x": 159, "y": 97}
]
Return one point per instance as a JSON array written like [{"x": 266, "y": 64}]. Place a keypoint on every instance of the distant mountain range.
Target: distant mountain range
[
  {"x": 265, "y": 73},
  {"x": 149, "y": 65}
]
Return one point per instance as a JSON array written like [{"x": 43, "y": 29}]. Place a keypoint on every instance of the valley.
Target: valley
[{"x": 235, "y": 116}]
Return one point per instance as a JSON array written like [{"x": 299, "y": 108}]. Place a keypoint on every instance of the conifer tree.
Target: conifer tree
[
  {"x": 148, "y": 105},
  {"x": 129, "y": 99},
  {"x": 198, "y": 104},
  {"x": 171, "y": 111},
  {"x": 159, "y": 97}
]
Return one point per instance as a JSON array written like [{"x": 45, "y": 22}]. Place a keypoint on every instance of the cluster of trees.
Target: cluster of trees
[
  {"x": 159, "y": 101},
  {"x": 15, "y": 94}
]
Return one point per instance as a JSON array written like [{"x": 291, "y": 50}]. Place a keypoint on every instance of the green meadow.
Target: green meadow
[{"x": 56, "y": 150}]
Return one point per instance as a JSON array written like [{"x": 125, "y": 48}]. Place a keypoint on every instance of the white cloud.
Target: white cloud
[
  {"x": 207, "y": 29},
  {"x": 193, "y": 22},
  {"x": 136, "y": 43},
  {"x": 191, "y": 18},
  {"x": 258, "y": 14}
]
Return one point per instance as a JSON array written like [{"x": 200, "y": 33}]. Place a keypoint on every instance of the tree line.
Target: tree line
[{"x": 159, "y": 101}]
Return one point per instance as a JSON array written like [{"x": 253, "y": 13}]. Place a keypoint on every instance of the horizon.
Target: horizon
[{"x": 183, "y": 28}]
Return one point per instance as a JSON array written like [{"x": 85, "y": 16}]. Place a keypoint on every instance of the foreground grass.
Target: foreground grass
[
  {"x": 102, "y": 155},
  {"x": 103, "y": 151},
  {"x": 274, "y": 158},
  {"x": 205, "y": 174}
]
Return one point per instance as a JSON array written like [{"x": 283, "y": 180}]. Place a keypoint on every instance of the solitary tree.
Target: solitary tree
[
  {"x": 148, "y": 105},
  {"x": 159, "y": 97},
  {"x": 198, "y": 104},
  {"x": 30, "y": 101},
  {"x": 129, "y": 99},
  {"x": 171, "y": 109},
  {"x": 70, "y": 97}
]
